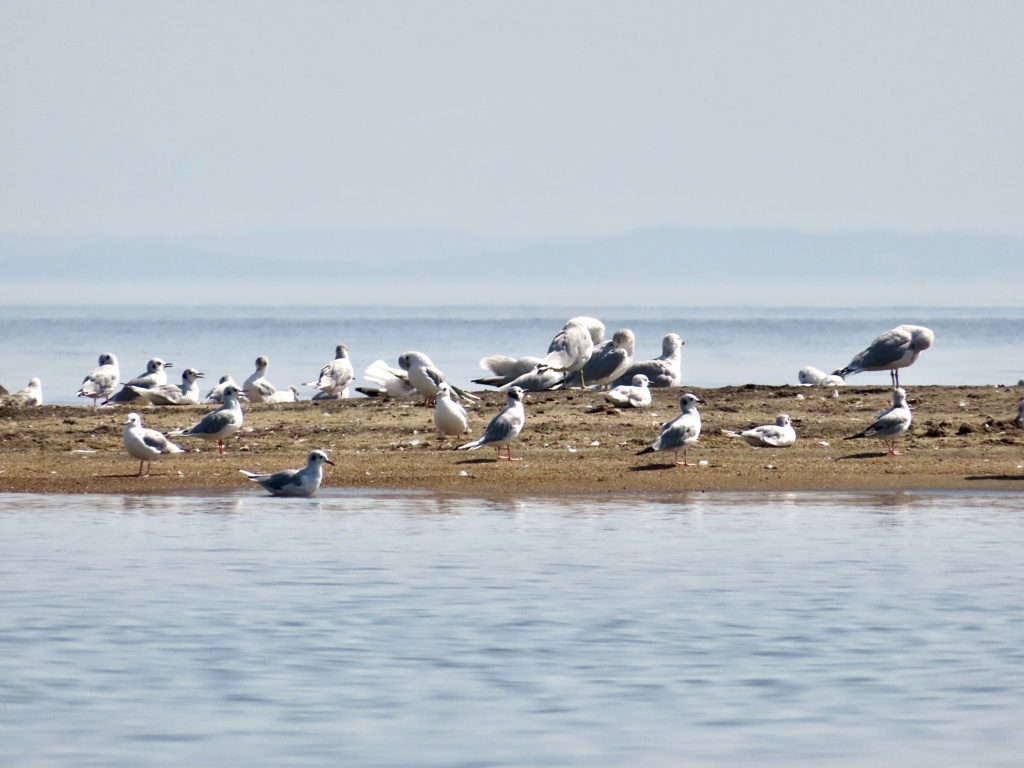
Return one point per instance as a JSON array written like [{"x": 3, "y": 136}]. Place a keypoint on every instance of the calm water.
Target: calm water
[
  {"x": 723, "y": 346},
  {"x": 407, "y": 629}
]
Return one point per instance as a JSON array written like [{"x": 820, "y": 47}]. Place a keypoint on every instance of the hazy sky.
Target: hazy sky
[{"x": 511, "y": 118}]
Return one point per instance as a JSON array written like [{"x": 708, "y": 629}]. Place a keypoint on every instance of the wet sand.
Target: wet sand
[{"x": 573, "y": 442}]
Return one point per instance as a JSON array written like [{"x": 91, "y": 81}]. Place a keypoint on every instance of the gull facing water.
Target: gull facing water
[{"x": 101, "y": 381}]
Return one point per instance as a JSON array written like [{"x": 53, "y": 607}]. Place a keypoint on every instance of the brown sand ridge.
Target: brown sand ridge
[{"x": 962, "y": 438}]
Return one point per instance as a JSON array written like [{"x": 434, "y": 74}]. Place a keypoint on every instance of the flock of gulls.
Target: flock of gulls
[{"x": 577, "y": 357}]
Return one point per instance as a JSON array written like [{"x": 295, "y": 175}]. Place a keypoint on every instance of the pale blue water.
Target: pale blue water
[
  {"x": 723, "y": 346},
  {"x": 414, "y": 630}
]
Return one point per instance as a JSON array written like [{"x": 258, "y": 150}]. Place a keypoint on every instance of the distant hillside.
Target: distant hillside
[{"x": 666, "y": 265}]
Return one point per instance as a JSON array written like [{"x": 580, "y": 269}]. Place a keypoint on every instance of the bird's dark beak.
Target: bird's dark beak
[
  {"x": 168, "y": 365},
  {"x": 199, "y": 375}
]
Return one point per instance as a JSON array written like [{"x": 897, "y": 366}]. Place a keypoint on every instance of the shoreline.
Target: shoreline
[{"x": 964, "y": 438}]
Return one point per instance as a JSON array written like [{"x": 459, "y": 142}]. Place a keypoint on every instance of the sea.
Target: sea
[{"x": 367, "y": 628}]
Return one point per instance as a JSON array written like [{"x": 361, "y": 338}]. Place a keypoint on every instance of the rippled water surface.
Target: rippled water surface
[{"x": 383, "y": 630}]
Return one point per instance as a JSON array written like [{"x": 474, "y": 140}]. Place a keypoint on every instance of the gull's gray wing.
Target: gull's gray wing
[
  {"x": 658, "y": 372},
  {"x": 887, "y": 349}
]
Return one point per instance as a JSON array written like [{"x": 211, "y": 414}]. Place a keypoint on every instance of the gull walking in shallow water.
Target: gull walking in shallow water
[
  {"x": 504, "y": 428},
  {"x": 155, "y": 376},
  {"x": 891, "y": 351},
  {"x": 778, "y": 435},
  {"x": 449, "y": 416},
  {"x": 294, "y": 482},
  {"x": 146, "y": 445},
  {"x": 256, "y": 387},
  {"x": 664, "y": 371},
  {"x": 635, "y": 395},
  {"x": 891, "y": 424},
  {"x": 680, "y": 433},
  {"x": 101, "y": 381},
  {"x": 334, "y": 377},
  {"x": 223, "y": 422}
]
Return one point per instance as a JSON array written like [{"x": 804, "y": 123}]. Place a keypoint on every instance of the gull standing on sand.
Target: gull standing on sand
[
  {"x": 187, "y": 393},
  {"x": 778, "y": 435},
  {"x": 155, "y": 376},
  {"x": 504, "y": 428},
  {"x": 216, "y": 395},
  {"x": 146, "y": 445},
  {"x": 386, "y": 381},
  {"x": 32, "y": 394},
  {"x": 425, "y": 376},
  {"x": 679, "y": 433},
  {"x": 609, "y": 360},
  {"x": 891, "y": 424},
  {"x": 891, "y": 351},
  {"x": 635, "y": 395},
  {"x": 664, "y": 371},
  {"x": 223, "y": 422},
  {"x": 570, "y": 349},
  {"x": 335, "y": 377},
  {"x": 256, "y": 387},
  {"x": 101, "y": 381},
  {"x": 294, "y": 482},
  {"x": 449, "y": 416}
]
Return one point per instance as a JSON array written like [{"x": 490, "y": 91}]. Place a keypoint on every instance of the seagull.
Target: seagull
[
  {"x": 294, "y": 482},
  {"x": 216, "y": 395},
  {"x": 426, "y": 377},
  {"x": 101, "y": 381},
  {"x": 32, "y": 394},
  {"x": 664, "y": 371},
  {"x": 679, "y": 433},
  {"x": 635, "y": 395},
  {"x": 778, "y": 435},
  {"x": 540, "y": 379},
  {"x": 155, "y": 376},
  {"x": 610, "y": 359},
  {"x": 146, "y": 445},
  {"x": 290, "y": 395},
  {"x": 504, "y": 428},
  {"x": 810, "y": 376},
  {"x": 335, "y": 377},
  {"x": 449, "y": 416},
  {"x": 223, "y": 422},
  {"x": 571, "y": 348},
  {"x": 256, "y": 387},
  {"x": 505, "y": 369},
  {"x": 594, "y": 326},
  {"x": 386, "y": 381},
  {"x": 891, "y": 351},
  {"x": 170, "y": 394},
  {"x": 891, "y": 424}
]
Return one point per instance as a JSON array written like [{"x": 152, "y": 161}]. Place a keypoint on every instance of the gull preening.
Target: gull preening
[
  {"x": 294, "y": 482},
  {"x": 170, "y": 394},
  {"x": 571, "y": 347},
  {"x": 503, "y": 428},
  {"x": 890, "y": 424},
  {"x": 386, "y": 381},
  {"x": 146, "y": 445},
  {"x": 891, "y": 351},
  {"x": 155, "y": 376},
  {"x": 216, "y": 395},
  {"x": 335, "y": 377},
  {"x": 505, "y": 369},
  {"x": 810, "y": 376},
  {"x": 664, "y": 371},
  {"x": 609, "y": 361},
  {"x": 449, "y": 416},
  {"x": 256, "y": 387},
  {"x": 425, "y": 376},
  {"x": 101, "y": 381},
  {"x": 223, "y": 422},
  {"x": 30, "y": 395},
  {"x": 635, "y": 395},
  {"x": 778, "y": 435},
  {"x": 681, "y": 432}
]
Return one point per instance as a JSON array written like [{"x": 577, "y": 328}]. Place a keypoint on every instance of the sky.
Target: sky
[{"x": 510, "y": 119}]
